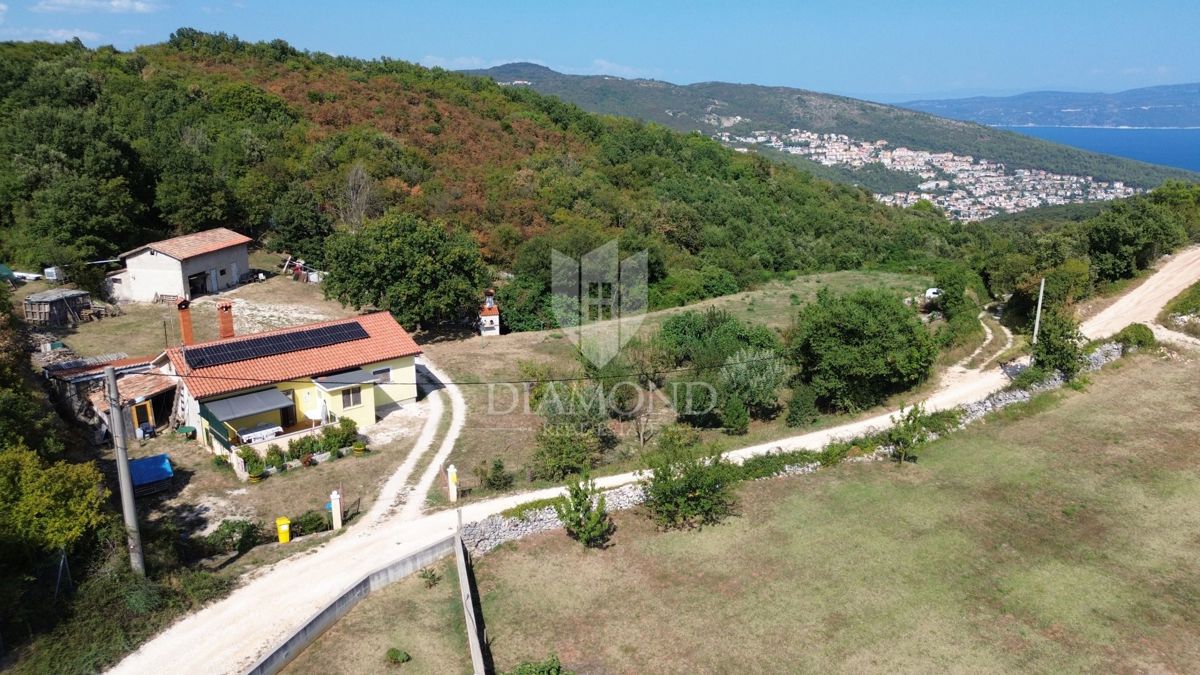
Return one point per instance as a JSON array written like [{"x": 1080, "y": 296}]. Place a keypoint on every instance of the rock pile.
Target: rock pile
[
  {"x": 1105, "y": 353},
  {"x": 485, "y": 535}
]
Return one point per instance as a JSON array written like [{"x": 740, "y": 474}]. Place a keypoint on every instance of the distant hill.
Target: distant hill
[
  {"x": 721, "y": 106},
  {"x": 1176, "y": 105}
]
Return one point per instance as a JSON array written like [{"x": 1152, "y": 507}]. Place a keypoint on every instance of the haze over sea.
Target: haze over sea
[{"x": 1171, "y": 147}]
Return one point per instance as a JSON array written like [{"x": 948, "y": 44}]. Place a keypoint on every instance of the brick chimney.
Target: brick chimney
[
  {"x": 225, "y": 319},
  {"x": 185, "y": 322}
]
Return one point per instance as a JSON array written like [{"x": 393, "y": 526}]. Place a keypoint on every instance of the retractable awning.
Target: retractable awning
[
  {"x": 347, "y": 379},
  {"x": 248, "y": 404}
]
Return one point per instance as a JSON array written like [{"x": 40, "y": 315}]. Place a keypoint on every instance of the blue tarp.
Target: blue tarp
[{"x": 150, "y": 469}]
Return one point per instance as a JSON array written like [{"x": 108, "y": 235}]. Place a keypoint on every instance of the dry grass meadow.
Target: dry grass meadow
[
  {"x": 1058, "y": 536},
  {"x": 510, "y": 437}
]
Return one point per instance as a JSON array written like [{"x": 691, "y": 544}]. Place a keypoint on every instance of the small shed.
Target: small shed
[{"x": 59, "y": 307}]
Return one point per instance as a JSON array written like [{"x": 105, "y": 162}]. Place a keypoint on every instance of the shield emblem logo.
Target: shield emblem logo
[{"x": 599, "y": 300}]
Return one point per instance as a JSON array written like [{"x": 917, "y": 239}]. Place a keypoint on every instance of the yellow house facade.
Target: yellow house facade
[{"x": 271, "y": 387}]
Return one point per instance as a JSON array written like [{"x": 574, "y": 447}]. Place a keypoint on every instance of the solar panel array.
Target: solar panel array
[{"x": 270, "y": 345}]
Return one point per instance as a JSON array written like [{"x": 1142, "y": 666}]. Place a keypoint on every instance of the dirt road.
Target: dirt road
[
  {"x": 1144, "y": 303},
  {"x": 230, "y": 635}
]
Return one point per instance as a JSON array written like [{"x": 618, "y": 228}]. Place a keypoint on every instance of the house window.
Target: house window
[
  {"x": 351, "y": 397},
  {"x": 383, "y": 375},
  {"x": 222, "y": 272}
]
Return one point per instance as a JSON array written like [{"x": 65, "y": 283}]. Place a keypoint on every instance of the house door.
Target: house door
[
  {"x": 212, "y": 281},
  {"x": 233, "y": 269},
  {"x": 287, "y": 415},
  {"x": 143, "y": 414}
]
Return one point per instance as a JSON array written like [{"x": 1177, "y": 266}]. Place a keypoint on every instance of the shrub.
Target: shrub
[
  {"x": 235, "y": 534},
  {"x": 310, "y": 522},
  {"x": 429, "y": 576},
  {"x": 341, "y": 435},
  {"x": 908, "y": 433},
  {"x": 735, "y": 417},
  {"x": 690, "y": 492},
  {"x": 306, "y": 445},
  {"x": 397, "y": 656},
  {"x": 254, "y": 464},
  {"x": 550, "y": 666},
  {"x": 1059, "y": 345},
  {"x": 275, "y": 458},
  {"x": 585, "y": 520},
  {"x": 754, "y": 376},
  {"x": 1136, "y": 336},
  {"x": 564, "y": 451},
  {"x": 1030, "y": 377},
  {"x": 200, "y": 587},
  {"x": 494, "y": 478},
  {"x": 857, "y": 350},
  {"x": 221, "y": 463},
  {"x": 802, "y": 407}
]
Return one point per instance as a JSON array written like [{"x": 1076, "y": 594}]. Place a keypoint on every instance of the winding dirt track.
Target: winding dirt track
[{"x": 230, "y": 635}]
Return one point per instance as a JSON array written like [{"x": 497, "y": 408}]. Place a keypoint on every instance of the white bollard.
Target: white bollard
[
  {"x": 335, "y": 503},
  {"x": 452, "y": 482}
]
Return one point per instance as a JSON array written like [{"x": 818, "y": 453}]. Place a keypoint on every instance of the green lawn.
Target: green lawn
[{"x": 1062, "y": 538}]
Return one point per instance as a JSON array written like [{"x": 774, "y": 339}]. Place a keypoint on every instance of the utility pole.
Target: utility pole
[
  {"x": 116, "y": 414},
  {"x": 1037, "y": 320}
]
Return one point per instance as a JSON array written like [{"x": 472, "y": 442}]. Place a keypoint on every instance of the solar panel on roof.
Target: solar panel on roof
[{"x": 270, "y": 345}]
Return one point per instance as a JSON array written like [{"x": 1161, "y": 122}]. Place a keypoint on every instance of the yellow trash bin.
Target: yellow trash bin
[{"x": 284, "y": 527}]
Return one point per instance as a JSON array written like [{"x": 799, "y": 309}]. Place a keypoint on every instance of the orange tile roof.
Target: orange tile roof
[
  {"x": 484, "y": 310},
  {"x": 386, "y": 340},
  {"x": 192, "y": 245},
  {"x": 133, "y": 387}
]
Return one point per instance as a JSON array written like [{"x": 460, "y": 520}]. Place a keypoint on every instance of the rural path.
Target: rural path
[
  {"x": 231, "y": 634},
  {"x": 458, "y": 416}
]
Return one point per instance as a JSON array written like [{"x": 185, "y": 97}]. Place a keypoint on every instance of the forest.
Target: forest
[{"x": 102, "y": 150}]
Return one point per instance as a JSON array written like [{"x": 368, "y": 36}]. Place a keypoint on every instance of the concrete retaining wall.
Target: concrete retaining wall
[{"x": 288, "y": 649}]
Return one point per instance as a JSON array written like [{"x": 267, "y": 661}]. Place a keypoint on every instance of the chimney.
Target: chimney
[
  {"x": 225, "y": 319},
  {"x": 185, "y": 322}
]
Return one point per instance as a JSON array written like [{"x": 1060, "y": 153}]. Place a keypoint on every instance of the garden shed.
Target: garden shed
[{"x": 56, "y": 308}]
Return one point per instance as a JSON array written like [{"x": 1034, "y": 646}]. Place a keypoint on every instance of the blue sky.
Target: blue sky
[{"x": 888, "y": 51}]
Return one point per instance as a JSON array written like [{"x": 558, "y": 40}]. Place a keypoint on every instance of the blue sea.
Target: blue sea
[{"x": 1172, "y": 147}]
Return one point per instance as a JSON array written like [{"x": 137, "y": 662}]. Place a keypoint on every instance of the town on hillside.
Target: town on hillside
[{"x": 965, "y": 187}]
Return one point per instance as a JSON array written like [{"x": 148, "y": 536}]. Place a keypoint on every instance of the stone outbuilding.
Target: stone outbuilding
[{"x": 182, "y": 268}]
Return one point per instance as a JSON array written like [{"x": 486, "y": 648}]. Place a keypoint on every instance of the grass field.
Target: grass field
[
  {"x": 511, "y": 436},
  {"x": 1060, "y": 536},
  {"x": 426, "y": 622}
]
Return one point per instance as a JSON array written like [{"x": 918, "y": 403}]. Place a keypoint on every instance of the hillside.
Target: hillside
[
  {"x": 1175, "y": 105},
  {"x": 720, "y": 106},
  {"x": 102, "y": 150}
]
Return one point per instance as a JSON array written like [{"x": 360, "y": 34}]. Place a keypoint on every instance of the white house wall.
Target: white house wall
[{"x": 150, "y": 273}]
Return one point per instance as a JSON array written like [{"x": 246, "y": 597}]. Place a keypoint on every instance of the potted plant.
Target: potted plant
[
  {"x": 255, "y": 469},
  {"x": 359, "y": 448}
]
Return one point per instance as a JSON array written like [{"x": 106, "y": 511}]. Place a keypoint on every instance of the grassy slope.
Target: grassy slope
[
  {"x": 781, "y": 108},
  {"x": 511, "y": 437},
  {"x": 1063, "y": 541}
]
